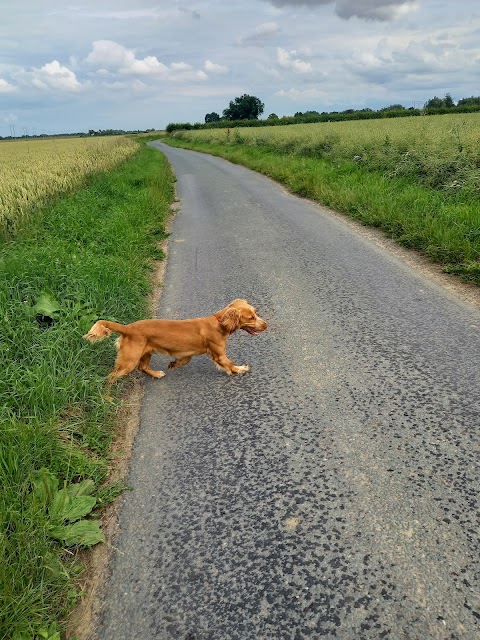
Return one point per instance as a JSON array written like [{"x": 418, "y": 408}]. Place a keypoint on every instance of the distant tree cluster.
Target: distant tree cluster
[
  {"x": 242, "y": 108},
  {"x": 244, "y": 111},
  {"x": 212, "y": 117},
  {"x": 116, "y": 132},
  {"x": 473, "y": 100},
  {"x": 440, "y": 103},
  {"x": 80, "y": 134}
]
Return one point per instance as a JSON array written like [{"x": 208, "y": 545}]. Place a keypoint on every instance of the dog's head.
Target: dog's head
[{"x": 239, "y": 314}]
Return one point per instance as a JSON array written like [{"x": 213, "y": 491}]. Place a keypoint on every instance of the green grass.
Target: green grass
[
  {"x": 444, "y": 227},
  {"x": 439, "y": 151},
  {"x": 88, "y": 256}
]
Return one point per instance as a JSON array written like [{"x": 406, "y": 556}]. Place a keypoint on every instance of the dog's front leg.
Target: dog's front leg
[{"x": 222, "y": 362}]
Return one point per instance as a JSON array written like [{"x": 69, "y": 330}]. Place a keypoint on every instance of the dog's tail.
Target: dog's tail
[{"x": 103, "y": 328}]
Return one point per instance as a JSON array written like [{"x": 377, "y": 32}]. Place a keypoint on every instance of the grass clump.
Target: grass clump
[{"x": 87, "y": 256}]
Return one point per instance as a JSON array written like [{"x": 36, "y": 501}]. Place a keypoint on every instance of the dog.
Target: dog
[{"x": 180, "y": 339}]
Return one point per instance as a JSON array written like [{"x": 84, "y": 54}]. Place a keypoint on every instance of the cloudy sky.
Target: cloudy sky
[{"x": 136, "y": 64}]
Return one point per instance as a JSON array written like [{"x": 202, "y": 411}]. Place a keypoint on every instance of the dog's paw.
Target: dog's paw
[
  {"x": 242, "y": 369},
  {"x": 157, "y": 374}
]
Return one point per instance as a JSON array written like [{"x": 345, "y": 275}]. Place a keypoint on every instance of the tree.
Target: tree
[
  {"x": 473, "y": 100},
  {"x": 212, "y": 117},
  {"x": 272, "y": 116},
  {"x": 393, "y": 107},
  {"x": 435, "y": 103},
  {"x": 449, "y": 101},
  {"x": 244, "y": 108}
]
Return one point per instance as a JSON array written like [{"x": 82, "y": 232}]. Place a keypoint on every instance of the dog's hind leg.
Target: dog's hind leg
[
  {"x": 127, "y": 359},
  {"x": 144, "y": 363}
]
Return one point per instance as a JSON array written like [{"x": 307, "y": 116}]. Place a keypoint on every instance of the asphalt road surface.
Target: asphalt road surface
[{"x": 331, "y": 492}]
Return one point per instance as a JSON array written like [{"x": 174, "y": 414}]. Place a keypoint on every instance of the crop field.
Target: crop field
[
  {"x": 417, "y": 179},
  {"x": 442, "y": 152},
  {"x": 32, "y": 171}
]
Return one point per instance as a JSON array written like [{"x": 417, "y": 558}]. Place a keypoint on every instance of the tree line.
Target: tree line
[
  {"x": 245, "y": 111},
  {"x": 81, "y": 134}
]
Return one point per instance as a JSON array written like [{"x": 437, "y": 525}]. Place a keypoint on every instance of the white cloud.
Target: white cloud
[
  {"x": 402, "y": 58},
  {"x": 148, "y": 66},
  {"x": 6, "y": 87},
  {"x": 180, "y": 66},
  {"x": 111, "y": 58},
  {"x": 109, "y": 55},
  {"x": 261, "y": 34},
  {"x": 212, "y": 67},
  {"x": 287, "y": 60},
  {"x": 54, "y": 76}
]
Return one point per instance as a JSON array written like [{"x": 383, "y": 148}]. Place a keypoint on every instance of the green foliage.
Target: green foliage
[
  {"x": 212, "y": 117},
  {"x": 244, "y": 108},
  {"x": 66, "y": 506},
  {"x": 86, "y": 256},
  {"x": 472, "y": 101},
  {"x": 439, "y": 104},
  {"x": 393, "y": 107},
  {"x": 443, "y": 226},
  {"x": 449, "y": 103}
]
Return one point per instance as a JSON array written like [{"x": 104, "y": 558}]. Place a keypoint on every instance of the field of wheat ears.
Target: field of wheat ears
[
  {"x": 68, "y": 255},
  {"x": 418, "y": 179}
]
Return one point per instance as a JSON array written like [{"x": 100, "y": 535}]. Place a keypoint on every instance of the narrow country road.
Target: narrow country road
[{"x": 331, "y": 492}]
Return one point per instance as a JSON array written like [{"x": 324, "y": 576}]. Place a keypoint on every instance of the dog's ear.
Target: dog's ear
[{"x": 231, "y": 320}]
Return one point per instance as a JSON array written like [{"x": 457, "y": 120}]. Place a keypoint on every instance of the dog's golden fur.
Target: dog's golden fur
[{"x": 180, "y": 339}]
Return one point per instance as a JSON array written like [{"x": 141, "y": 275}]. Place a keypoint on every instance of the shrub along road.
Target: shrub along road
[{"x": 333, "y": 490}]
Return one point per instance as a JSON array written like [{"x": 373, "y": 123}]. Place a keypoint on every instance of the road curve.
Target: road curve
[{"x": 333, "y": 490}]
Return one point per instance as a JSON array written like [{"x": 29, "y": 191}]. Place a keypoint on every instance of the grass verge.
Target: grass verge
[
  {"x": 89, "y": 255},
  {"x": 444, "y": 228}
]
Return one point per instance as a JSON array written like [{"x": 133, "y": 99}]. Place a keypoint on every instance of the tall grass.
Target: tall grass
[
  {"x": 88, "y": 255},
  {"x": 395, "y": 175},
  {"x": 33, "y": 171},
  {"x": 442, "y": 152}
]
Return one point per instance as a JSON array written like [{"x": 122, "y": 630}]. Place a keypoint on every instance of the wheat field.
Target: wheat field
[{"x": 34, "y": 171}]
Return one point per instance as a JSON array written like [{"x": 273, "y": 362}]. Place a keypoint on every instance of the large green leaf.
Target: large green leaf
[
  {"x": 83, "y": 488},
  {"x": 84, "y": 533},
  {"x": 64, "y": 507},
  {"x": 78, "y": 508},
  {"x": 46, "y": 305},
  {"x": 45, "y": 485}
]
